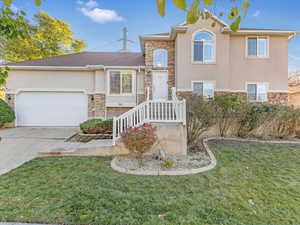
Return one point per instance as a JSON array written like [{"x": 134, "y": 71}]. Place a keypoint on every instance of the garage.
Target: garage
[{"x": 51, "y": 109}]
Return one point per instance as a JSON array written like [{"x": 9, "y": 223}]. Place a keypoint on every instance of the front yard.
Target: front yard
[{"x": 252, "y": 184}]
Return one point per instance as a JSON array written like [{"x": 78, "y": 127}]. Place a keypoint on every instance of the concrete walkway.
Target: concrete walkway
[{"x": 19, "y": 145}]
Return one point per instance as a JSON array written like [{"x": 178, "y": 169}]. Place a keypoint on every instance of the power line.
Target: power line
[{"x": 125, "y": 40}]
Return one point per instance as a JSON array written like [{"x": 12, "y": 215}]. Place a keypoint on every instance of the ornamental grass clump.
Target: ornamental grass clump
[{"x": 139, "y": 140}]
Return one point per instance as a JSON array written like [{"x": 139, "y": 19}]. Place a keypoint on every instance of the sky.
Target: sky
[{"x": 99, "y": 22}]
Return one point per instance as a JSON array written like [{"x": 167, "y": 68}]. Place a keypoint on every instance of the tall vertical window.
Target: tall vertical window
[
  {"x": 204, "y": 89},
  {"x": 257, "y": 92},
  {"x": 258, "y": 46},
  {"x": 120, "y": 82},
  {"x": 160, "y": 58},
  {"x": 204, "y": 47}
]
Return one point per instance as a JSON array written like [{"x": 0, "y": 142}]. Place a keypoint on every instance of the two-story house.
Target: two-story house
[{"x": 199, "y": 58}]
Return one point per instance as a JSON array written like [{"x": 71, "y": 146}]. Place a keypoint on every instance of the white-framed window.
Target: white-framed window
[
  {"x": 160, "y": 58},
  {"x": 121, "y": 82},
  {"x": 205, "y": 89},
  {"x": 257, "y": 47},
  {"x": 204, "y": 45},
  {"x": 257, "y": 92}
]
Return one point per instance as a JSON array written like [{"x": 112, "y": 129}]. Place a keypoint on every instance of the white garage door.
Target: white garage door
[{"x": 51, "y": 108}]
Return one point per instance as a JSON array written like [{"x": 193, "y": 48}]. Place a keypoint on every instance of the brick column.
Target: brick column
[{"x": 150, "y": 46}]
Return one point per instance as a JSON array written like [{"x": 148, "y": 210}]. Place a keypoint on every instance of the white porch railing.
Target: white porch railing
[
  {"x": 161, "y": 111},
  {"x": 174, "y": 95}
]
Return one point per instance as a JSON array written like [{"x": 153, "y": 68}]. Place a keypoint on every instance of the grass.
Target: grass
[{"x": 257, "y": 184}]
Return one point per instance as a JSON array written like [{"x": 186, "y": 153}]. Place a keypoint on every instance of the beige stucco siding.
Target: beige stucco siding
[
  {"x": 91, "y": 82},
  {"x": 232, "y": 69},
  {"x": 50, "y": 80},
  {"x": 273, "y": 69},
  {"x": 100, "y": 81},
  {"x": 187, "y": 71}
]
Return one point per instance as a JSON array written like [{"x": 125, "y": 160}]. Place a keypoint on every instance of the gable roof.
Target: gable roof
[
  {"x": 87, "y": 59},
  {"x": 183, "y": 27}
]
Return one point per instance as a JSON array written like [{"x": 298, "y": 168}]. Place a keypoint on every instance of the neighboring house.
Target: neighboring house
[
  {"x": 294, "y": 90},
  {"x": 209, "y": 61}
]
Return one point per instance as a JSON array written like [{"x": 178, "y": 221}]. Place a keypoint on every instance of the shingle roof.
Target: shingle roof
[
  {"x": 160, "y": 34},
  {"x": 245, "y": 28},
  {"x": 82, "y": 59}
]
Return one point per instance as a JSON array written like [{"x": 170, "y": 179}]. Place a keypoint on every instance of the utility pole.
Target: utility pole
[{"x": 125, "y": 40}]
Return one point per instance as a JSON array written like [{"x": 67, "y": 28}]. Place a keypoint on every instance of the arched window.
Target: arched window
[
  {"x": 204, "y": 47},
  {"x": 160, "y": 58}
]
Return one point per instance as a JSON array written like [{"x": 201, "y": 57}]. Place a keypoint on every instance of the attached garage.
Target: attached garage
[{"x": 51, "y": 108}]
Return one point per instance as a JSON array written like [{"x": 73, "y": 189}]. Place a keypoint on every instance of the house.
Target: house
[
  {"x": 294, "y": 90},
  {"x": 200, "y": 58}
]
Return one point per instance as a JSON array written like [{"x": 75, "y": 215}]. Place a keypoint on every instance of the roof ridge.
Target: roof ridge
[{"x": 55, "y": 56}]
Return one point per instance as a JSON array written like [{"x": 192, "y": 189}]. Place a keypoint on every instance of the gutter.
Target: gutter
[
  {"x": 291, "y": 33},
  {"x": 71, "y": 68}
]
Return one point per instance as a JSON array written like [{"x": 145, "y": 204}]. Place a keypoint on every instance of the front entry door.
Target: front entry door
[{"x": 160, "y": 85}]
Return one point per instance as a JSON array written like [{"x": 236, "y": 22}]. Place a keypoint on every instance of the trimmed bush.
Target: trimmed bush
[
  {"x": 139, "y": 140},
  {"x": 7, "y": 115},
  {"x": 97, "y": 126}
]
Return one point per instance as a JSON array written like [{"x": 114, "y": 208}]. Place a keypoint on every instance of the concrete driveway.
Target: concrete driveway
[{"x": 19, "y": 145}]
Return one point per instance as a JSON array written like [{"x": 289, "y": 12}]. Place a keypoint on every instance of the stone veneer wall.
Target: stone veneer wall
[
  {"x": 150, "y": 46},
  {"x": 96, "y": 106},
  {"x": 141, "y": 98},
  {"x": 276, "y": 98},
  {"x": 116, "y": 111},
  {"x": 10, "y": 100}
]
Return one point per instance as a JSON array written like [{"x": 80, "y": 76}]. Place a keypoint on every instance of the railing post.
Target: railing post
[
  {"x": 184, "y": 112},
  {"x": 114, "y": 130},
  {"x": 148, "y": 93},
  {"x": 148, "y": 111}
]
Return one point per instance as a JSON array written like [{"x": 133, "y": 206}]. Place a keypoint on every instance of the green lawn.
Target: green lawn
[{"x": 257, "y": 184}]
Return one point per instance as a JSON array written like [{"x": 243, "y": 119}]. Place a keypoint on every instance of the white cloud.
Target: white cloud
[
  {"x": 256, "y": 13},
  {"x": 97, "y": 14},
  {"x": 91, "y": 4},
  {"x": 101, "y": 15}
]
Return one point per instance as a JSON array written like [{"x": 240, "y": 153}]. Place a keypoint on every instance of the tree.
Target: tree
[
  {"x": 49, "y": 37},
  {"x": 196, "y": 10},
  {"x": 12, "y": 24}
]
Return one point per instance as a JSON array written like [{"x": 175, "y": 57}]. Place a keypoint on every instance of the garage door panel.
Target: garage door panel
[{"x": 51, "y": 109}]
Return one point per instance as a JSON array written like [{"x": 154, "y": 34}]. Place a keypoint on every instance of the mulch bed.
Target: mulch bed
[{"x": 85, "y": 138}]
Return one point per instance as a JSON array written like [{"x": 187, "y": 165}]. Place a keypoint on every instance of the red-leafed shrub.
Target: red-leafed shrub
[{"x": 140, "y": 140}]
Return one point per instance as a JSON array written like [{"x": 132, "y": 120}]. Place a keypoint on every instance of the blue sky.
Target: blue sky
[{"x": 100, "y": 22}]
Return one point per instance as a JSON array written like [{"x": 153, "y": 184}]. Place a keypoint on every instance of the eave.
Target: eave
[{"x": 72, "y": 68}]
